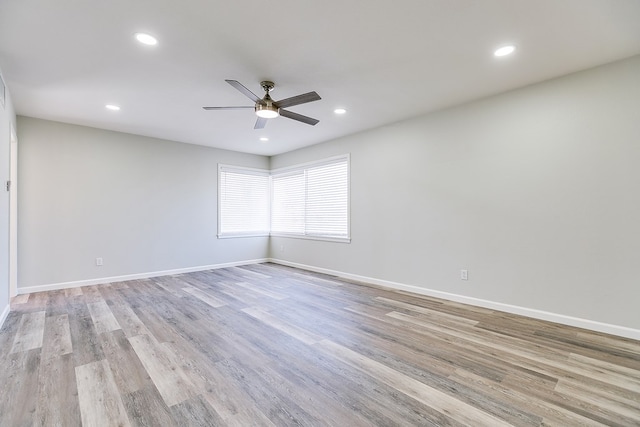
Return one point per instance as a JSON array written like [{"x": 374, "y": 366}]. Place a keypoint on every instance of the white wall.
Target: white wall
[
  {"x": 536, "y": 192},
  {"x": 144, "y": 205},
  {"x": 7, "y": 119}
]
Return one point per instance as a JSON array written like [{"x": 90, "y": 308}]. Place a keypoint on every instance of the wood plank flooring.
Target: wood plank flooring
[{"x": 267, "y": 345}]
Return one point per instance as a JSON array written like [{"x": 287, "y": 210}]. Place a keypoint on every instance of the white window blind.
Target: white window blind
[
  {"x": 312, "y": 200},
  {"x": 243, "y": 201},
  {"x": 287, "y": 203}
]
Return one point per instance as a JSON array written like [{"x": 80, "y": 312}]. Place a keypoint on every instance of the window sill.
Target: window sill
[
  {"x": 309, "y": 237},
  {"x": 235, "y": 236},
  {"x": 288, "y": 236}
]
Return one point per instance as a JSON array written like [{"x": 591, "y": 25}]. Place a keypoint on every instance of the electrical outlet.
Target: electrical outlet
[
  {"x": 98, "y": 261},
  {"x": 464, "y": 275},
  {"x": 281, "y": 248}
]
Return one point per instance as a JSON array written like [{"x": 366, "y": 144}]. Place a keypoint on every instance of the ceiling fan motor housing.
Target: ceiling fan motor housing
[{"x": 266, "y": 109}]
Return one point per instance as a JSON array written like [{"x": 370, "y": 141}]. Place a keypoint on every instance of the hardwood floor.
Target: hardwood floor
[{"x": 266, "y": 345}]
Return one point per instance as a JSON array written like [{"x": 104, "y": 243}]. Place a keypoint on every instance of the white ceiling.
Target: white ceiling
[{"x": 382, "y": 60}]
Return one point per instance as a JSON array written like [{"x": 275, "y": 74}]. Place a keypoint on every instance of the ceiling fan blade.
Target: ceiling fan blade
[
  {"x": 297, "y": 100},
  {"x": 298, "y": 117},
  {"x": 226, "y": 108},
  {"x": 252, "y": 96},
  {"x": 260, "y": 123}
]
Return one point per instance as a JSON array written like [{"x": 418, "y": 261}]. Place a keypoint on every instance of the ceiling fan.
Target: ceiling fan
[{"x": 266, "y": 108}]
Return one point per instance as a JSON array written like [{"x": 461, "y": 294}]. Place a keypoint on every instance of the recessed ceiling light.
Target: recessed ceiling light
[
  {"x": 505, "y": 50},
  {"x": 112, "y": 107},
  {"x": 264, "y": 139},
  {"x": 147, "y": 39},
  {"x": 339, "y": 111}
]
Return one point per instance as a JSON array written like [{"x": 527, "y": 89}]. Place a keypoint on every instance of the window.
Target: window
[
  {"x": 312, "y": 200},
  {"x": 309, "y": 201},
  {"x": 243, "y": 201}
]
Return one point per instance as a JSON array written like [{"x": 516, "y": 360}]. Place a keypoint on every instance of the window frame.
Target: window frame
[{"x": 288, "y": 170}]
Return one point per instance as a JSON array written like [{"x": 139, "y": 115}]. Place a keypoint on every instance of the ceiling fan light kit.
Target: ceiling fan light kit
[
  {"x": 267, "y": 111},
  {"x": 266, "y": 108}
]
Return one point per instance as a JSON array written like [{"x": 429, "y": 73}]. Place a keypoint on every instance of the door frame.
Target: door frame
[{"x": 13, "y": 214}]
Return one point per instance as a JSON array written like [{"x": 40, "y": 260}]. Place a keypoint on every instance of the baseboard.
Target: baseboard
[
  {"x": 621, "y": 331},
  {"x": 137, "y": 276},
  {"x": 592, "y": 325},
  {"x": 4, "y": 315}
]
